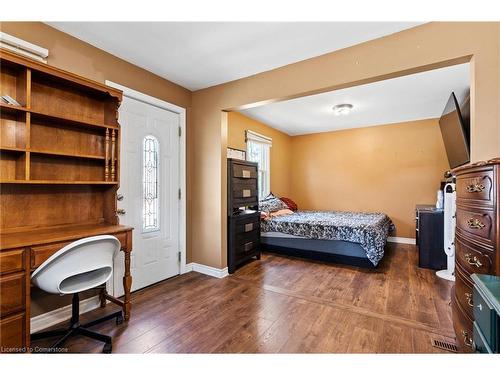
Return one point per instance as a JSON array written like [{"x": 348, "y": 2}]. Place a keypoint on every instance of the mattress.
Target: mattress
[{"x": 368, "y": 230}]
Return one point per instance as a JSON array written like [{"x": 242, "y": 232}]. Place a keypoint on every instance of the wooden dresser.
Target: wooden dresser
[
  {"x": 59, "y": 175},
  {"x": 477, "y": 241},
  {"x": 243, "y": 227}
]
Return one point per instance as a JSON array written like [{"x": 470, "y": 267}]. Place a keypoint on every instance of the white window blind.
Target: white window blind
[{"x": 259, "y": 151}]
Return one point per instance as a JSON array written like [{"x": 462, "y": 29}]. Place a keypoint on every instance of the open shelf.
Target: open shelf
[
  {"x": 66, "y": 154},
  {"x": 9, "y": 108},
  {"x": 12, "y": 149},
  {"x": 69, "y": 120},
  {"x": 12, "y": 130},
  {"x": 57, "y": 97},
  {"x": 46, "y": 167},
  {"x": 57, "y": 182},
  {"x": 14, "y": 82},
  {"x": 12, "y": 166}
]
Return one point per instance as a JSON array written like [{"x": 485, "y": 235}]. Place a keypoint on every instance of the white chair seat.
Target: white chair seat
[{"x": 79, "y": 266}]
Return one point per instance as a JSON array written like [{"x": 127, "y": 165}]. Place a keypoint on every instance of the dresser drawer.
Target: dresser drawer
[
  {"x": 247, "y": 224},
  {"x": 463, "y": 292},
  {"x": 478, "y": 224},
  {"x": 245, "y": 189},
  {"x": 12, "y": 292},
  {"x": 244, "y": 171},
  {"x": 11, "y": 261},
  {"x": 485, "y": 317},
  {"x": 480, "y": 344},
  {"x": 12, "y": 331},
  {"x": 473, "y": 258},
  {"x": 476, "y": 187},
  {"x": 248, "y": 246}
]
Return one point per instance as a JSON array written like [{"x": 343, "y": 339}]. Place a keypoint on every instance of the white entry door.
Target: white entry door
[{"x": 149, "y": 192}]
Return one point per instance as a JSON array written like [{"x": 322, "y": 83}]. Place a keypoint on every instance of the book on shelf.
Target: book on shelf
[{"x": 10, "y": 100}]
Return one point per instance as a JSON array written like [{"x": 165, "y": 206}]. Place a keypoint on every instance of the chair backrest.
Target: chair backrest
[{"x": 79, "y": 266}]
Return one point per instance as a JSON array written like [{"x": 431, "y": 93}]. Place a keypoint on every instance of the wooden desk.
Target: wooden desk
[{"x": 22, "y": 252}]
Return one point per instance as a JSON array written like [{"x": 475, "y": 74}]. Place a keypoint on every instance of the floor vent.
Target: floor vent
[{"x": 444, "y": 345}]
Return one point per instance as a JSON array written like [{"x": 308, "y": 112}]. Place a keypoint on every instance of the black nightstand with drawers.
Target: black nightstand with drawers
[
  {"x": 486, "y": 310},
  {"x": 243, "y": 226}
]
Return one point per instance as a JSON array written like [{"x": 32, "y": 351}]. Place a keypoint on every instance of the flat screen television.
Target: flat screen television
[{"x": 455, "y": 132}]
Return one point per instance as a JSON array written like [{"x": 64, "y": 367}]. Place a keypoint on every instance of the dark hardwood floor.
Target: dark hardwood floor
[{"x": 287, "y": 305}]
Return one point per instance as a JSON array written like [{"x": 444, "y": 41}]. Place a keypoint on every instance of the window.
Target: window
[
  {"x": 259, "y": 150},
  {"x": 150, "y": 199}
]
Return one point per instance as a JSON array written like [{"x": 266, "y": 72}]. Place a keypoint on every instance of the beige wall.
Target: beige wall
[
  {"x": 280, "y": 150},
  {"x": 421, "y": 48},
  {"x": 78, "y": 57},
  {"x": 413, "y": 50},
  {"x": 386, "y": 168}
]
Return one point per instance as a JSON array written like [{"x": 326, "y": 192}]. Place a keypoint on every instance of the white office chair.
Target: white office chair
[{"x": 82, "y": 265}]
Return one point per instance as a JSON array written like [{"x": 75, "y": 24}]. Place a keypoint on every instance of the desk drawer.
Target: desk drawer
[
  {"x": 11, "y": 261},
  {"x": 12, "y": 292},
  {"x": 41, "y": 253},
  {"x": 12, "y": 331},
  {"x": 476, "y": 187}
]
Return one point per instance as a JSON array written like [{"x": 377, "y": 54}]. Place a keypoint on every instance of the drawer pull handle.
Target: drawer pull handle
[
  {"x": 248, "y": 246},
  {"x": 248, "y": 227},
  {"x": 468, "y": 297},
  {"x": 475, "y": 223},
  {"x": 467, "y": 339},
  {"x": 245, "y": 173},
  {"x": 473, "y": 261},
  {"x": 247, "y": 193},
  {"x": 475, "y": 188}
]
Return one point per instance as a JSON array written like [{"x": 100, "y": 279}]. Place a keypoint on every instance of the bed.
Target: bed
[{"x": 353, "y": 238}]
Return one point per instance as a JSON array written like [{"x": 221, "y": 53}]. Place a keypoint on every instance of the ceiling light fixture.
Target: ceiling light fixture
[{"x": 342, "y": 109}]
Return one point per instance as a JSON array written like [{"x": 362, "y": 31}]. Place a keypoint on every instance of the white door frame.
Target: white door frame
[{"x": 133, "y": 94}]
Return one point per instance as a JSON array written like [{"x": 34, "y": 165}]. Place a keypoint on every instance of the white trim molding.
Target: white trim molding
[
  {"x": 207, "y": 270},
  {"x": 23, "y": 47},
  {"x": 405, "y": 240},
  {"x": 51, "y": 318},
  {"x": 182, "y": 148}
]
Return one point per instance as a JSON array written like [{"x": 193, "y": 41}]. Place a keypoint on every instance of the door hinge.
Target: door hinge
[
  {"x": 179, "y": 256},
  {"x": 180, "y": 131},
  {"x": 180, "y": 194}
]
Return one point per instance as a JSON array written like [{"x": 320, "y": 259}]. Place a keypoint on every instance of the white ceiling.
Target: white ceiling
[
  {"x": 413, "y": 97},
  {"x": 197, "y": 55}
]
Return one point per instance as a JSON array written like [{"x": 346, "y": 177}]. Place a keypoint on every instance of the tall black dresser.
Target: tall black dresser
[{"x": 243, "y": 225}]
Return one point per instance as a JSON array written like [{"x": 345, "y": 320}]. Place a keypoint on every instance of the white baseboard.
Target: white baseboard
[
  {"x": 61, "y": 314},
  {"x": 207, "y": 270},
  {"x": 406, "y": 240}
]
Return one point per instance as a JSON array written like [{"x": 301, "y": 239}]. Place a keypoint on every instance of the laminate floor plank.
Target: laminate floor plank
[{"x": 287, "y": 305}]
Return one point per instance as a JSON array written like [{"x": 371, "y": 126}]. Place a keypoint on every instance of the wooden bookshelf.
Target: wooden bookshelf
[
  {"x": 59, "y": 175},
  {"x": 64, "y": 131}
]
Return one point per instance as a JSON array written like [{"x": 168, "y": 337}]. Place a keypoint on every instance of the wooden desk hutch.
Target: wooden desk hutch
[{"x": 59, "y": 176}]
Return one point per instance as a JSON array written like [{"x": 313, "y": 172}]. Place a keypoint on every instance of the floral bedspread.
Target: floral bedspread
[{"x": 370, "y": 230}]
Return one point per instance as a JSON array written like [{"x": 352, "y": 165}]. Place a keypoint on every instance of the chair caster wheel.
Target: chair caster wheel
[
  {"x": 119, "y": 320},
  {"x": 107, "y": 348}
]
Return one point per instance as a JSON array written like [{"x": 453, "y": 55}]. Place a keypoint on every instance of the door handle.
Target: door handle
[{"x": 121, "y": 211}]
